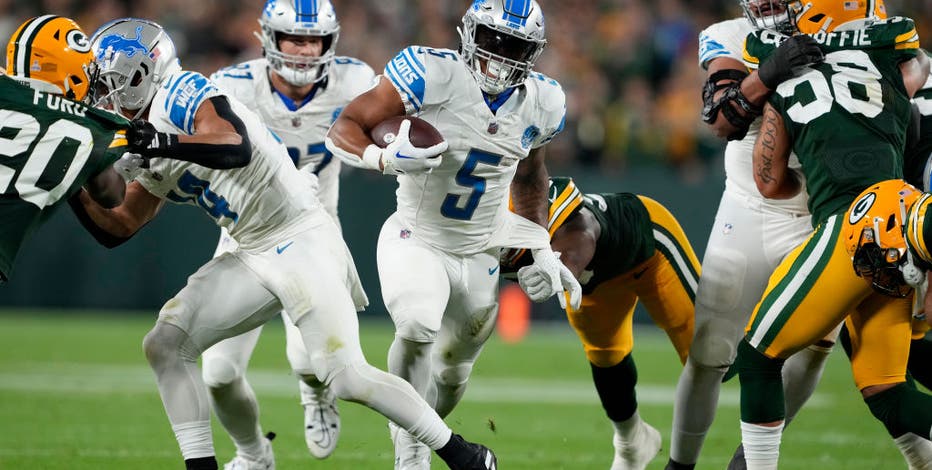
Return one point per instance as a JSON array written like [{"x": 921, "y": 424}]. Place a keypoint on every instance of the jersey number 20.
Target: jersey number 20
[{"x": 61, "y": 142}]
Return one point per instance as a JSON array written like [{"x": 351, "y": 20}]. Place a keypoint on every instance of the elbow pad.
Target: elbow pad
[{"x": 728, "y": 102}]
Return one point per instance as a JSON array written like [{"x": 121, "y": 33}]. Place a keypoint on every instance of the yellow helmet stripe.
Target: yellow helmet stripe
[
  {"x": 23, "y": 48},
  {"x": 916, "y": 225}
]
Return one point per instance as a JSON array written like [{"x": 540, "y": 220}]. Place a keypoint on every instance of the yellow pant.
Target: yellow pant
[
  {"x": 665, "y": 282},
  {"x": 813, "y": 290}
]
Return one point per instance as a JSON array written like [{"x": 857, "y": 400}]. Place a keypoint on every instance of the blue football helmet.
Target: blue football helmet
[
  {"x": 134, "y": 56},
  {"x": 501, "y": 41},
  {"x": 300, "y": 18}
]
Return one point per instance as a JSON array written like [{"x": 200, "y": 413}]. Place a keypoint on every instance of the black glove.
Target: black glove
[
  {"x": 145, "y": 140},
  {"x": 796, "y": 51}
]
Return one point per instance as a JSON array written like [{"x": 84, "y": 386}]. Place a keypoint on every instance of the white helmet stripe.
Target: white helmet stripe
[{"x": 24, "y": 43}]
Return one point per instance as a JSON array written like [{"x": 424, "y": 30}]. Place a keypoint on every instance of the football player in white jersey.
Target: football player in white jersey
[
  {"x": 750, "y": 235},
  {"x": 438, "y": 253},
  {"x": 298, "y": 88},
  {"x": 290, "y": 253}
]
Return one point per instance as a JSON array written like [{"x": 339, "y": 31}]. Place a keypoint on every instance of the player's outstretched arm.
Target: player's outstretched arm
[
  {"x": 220, "y": 140},
  {"x": 112, "y": 227},
  {"x": 106, "y": 188},
  {"x": 774, "y": 178}
]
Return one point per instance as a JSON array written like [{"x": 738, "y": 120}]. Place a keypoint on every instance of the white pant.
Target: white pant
[
  {"x": 748, "y": 241},
  {"x": 427, "y": 290},
  {"x": 311, "y": 274}
]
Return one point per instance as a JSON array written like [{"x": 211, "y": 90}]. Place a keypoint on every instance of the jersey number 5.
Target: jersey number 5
[
  {"x": 61, "y": 143},
  {"x": 451, "y": 208}
]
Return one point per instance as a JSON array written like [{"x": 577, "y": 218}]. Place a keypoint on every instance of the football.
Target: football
[{"x": 422, "y": 133}]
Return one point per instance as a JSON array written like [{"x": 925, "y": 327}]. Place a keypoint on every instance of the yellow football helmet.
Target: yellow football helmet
[
  {"x": 874, "y": 236},
  {"x": 52, "y": 50},
  {"x": 814, "y": 16}
]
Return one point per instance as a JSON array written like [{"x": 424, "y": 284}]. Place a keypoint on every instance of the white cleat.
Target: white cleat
[
  {"x": 321, "y": 420},
  {"x": 639, "y": 451},
  {"x": 410, "y": 453},
  {"x": 265, "y": 462}
]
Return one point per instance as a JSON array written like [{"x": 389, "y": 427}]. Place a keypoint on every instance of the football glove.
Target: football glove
[
  {"x": 130, "y": 166},
  {"x": 400, "y": 156},
  {"x": 144, "y": 139},
  {"x": 796, "y": 51},
  {"x": 546, "y": 277}
]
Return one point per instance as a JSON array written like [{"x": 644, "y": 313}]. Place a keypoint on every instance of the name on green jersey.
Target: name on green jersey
[
  {"x": 852, "y": 38},
  {"x": 57, "y": 103}
]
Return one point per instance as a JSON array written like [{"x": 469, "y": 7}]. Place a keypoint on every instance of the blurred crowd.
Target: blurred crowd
[{"x": 628, "y": 67}]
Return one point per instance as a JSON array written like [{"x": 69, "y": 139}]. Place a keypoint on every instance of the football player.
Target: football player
[
  {"x": 814, "y": 288},
  {"x": 52, "y": 136},
  {"x": 438, "y": 254},
  {"x": 751, "y": 234},
  {"x": 298, "y": 88},
  {"x": 623, "y": 248},
  {"x": 290, "y": 255}
]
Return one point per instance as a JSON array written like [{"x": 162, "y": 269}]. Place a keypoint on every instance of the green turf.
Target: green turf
[{"x": 76, "y": 393}]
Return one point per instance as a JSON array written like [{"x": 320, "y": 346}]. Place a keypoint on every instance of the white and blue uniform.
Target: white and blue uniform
[
  {"x": 301, "y": 127},
  {"x": 290, "y": 253},
  {"x": 438, "y": 254}
]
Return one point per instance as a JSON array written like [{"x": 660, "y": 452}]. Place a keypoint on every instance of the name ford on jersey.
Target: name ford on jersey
[{"x": 57, "y": 103}]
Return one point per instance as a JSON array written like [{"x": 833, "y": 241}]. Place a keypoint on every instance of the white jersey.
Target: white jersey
[
  {"x": 259, "y": 204},
  {"x": 459, "y": 206},
  {"x": 726, "y": 39},
  {"x": 301, "y": 126}
]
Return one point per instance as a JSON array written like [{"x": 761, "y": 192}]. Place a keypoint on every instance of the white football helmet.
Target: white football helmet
[
  {"x": 501, "y": 40},
  {"x": 134, "y": 57},
  {"x": 772, "y": 15},
  {"x": 300, "y": 18}
]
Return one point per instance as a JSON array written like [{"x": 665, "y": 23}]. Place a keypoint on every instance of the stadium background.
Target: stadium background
[{"x": 628, "y": 68}]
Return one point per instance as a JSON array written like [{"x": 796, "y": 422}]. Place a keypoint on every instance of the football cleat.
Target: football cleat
[
  {"x": 321, "y": 420},
  {"x": 639, "y": 451},
  {"x": 737, "y": 461},
  {"x": 265, "y": 462},
  {"x": 410, "y": 453},
  {"x": 480, "y": 457}
]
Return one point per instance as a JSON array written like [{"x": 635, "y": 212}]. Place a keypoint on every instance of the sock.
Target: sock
[
  {"x": 920, "y": 361},
  {"x": 761, "y": 445},
  {"x": 194, "y": 439},
  {"x": 627, "y": 430},
  {"x": 237, "y": 410},
  {"x": 801, "y": 374},
  {"x": 615, "y": 386},
  {"x": 201, "y": 463},
  {"x": 916, "y": 450},
  {"x": 697, "y": 395},
  {"x": 902, "y": 409}
]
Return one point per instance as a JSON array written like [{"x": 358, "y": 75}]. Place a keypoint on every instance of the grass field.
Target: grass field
[{"x": 76, "y": 393}]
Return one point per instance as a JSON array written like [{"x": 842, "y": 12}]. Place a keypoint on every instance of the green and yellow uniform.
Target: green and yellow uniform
[
  {"x": 847, "y": 120},
  {"x": 50, "y": 147},
  {"x": 641, "y": 254}
]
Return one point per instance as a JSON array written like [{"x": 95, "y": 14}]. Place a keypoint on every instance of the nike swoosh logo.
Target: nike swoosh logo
[
  {"x": 282, "y": 248},
  {"x": 492, "y": 270},
  {"x": 399, "y": 155}
]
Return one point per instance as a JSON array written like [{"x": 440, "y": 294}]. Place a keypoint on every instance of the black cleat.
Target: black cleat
[
  {"x": 674, "y": 465},
  {"x": 737, "y": 460},
  {"x": 460, "y": 454}
]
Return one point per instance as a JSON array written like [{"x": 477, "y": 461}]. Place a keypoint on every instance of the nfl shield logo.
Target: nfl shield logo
[
  {"x": 296, "y": 121},
  {"x": 851, "y": 5},
  {"x": 493, "y": 127},
  {"x": 405, "y": 234}
]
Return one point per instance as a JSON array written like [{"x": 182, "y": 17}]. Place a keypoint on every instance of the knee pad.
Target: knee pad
[
  {"x": 219, "y": 372},
  {"x": 411, "y": 328},
  {"x": 715, "y": 343},
  {"x": 453, "y": 375},
  {"x": 166, "y": 342}
]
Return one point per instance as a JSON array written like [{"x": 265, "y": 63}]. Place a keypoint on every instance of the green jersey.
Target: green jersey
[
  {"x": 846, "y": 116},
  {"x": 626, "y": 237},
  {"x": 917, "y": 157},
  {"x": 49, "y": 147}
]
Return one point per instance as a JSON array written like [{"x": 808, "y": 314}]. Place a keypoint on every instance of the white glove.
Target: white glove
[
  {"x": 401, "y": 157},
  {"x": 130, "y": 166},
  {"x": 546, "y": 277}
]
